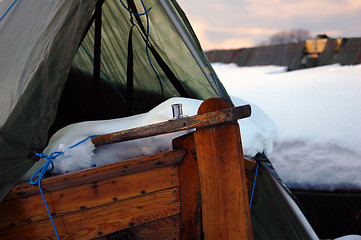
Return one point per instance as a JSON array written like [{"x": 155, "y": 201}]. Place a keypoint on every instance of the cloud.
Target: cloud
[
  {"x": 288, "y": 9},
  {"x": 218, "y": 37},
  {"x": 244, "y": 22}
]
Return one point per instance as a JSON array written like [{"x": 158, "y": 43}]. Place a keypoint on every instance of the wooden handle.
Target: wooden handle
[{"x": 198, "y": 121}]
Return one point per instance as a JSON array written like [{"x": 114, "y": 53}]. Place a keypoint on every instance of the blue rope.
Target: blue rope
[
  {"x": 8, "y": 10},
  {"x": 44, "y": 169},
  {"x": 137, "y": 14},
  {"x": 38, "y": 181},
  {"x": 147, "y": 51},
  {"x": 254, "y": 186},
  {"x": 146, "y": 11}
]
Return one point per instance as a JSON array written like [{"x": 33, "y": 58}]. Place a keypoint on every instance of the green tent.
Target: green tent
[
  {"x": 43, "y": 40},
  {"x": 65, "y": 61}
]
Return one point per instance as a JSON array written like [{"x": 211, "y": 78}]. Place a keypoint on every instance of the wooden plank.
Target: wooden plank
[
  {"x": 190, "y": 190},
  {"x": 162, "y": 229},
  {"x": 202, "y": 120},
  {"x": 65, "y": 201},
  {"x": 225, "y": 205},
  {"x": 98, "y": 173},
  {"x": 102, "y": 220}
]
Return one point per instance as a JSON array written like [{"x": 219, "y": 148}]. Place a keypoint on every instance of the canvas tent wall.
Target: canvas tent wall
[{"x": 40, "y": 39}]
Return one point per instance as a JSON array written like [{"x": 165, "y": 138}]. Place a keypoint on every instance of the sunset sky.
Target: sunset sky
[
  {"x": 243, "y": 23},
  {"x": 226, "y": 24}
]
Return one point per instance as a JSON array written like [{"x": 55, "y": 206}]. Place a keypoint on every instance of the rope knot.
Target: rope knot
[
  {"x": 40, "y": 173},
  {"x": 41, "y": 155}
]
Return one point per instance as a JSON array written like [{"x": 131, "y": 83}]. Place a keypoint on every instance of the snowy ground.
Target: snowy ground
[{"x": 318, "y": 117}]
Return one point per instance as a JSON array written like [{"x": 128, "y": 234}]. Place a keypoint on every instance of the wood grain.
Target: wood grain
[
  {"x": 225, "y": 205},
  {"x": 65, "y": 201},
  {"x": 24, "y": 190},
  {"x": 201, "y": 120},
  {"x": 162, "y": 229},
  {"x": 191, "y": 227},
  {"x": 102, "y": 220}
]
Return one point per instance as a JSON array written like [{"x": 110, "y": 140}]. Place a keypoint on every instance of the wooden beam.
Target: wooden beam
[
  {"x": 203, "y": 120},
  {"x": 225, "y": 204}
]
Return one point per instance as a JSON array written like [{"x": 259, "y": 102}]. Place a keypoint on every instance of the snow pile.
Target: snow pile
[
  {"x": 349, "y": 237},
  {"x": 258, "y": 133},
  {"x": 318, "y": 117}
]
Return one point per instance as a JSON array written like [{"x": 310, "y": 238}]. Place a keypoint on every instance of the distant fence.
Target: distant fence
[{"x": 311, "y": 53}]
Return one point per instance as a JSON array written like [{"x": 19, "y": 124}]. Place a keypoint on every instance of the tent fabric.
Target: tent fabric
[
  {"x": 116, "y": 24},
  {"x": 274, "y": 214},
  {"x": 40, "y": 39}
]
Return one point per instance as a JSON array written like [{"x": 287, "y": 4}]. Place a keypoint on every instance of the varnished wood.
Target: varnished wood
[
  {"x": 102, "y": 220},
  {"x": 201, "y": 120},
  {"x": 65, "y": 201},
  {"x": 225, "y": 204},
  {"x": 250, "y": 167},
  {"x": 162, "y": 229},
  {"x": 190, "y": 227},
  {"x": 91, "y": 175}
]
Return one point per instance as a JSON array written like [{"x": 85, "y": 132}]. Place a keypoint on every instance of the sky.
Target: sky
[{"x": 230, "y": 24}]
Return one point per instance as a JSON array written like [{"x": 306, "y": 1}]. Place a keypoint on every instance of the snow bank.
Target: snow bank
[
  {"x": 258, "y": 133},
  {"x": 317, "y": 112},
  {"x": 349, "y": 237}
]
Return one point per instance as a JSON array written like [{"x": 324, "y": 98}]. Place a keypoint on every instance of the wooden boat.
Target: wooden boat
[
  {"x": 154, "y": 197},
  {"x": 199, "y": 190}
]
